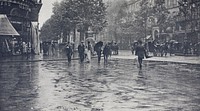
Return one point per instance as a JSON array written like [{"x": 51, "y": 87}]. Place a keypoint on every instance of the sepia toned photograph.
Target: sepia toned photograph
[{"x": 99, "y": 55}]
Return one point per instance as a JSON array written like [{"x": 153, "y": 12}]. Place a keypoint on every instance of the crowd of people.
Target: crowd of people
[
  {"x": 85, "y": 51},
  {"x": 172, "y": 47},
  {"x": 105, "y": 49}
]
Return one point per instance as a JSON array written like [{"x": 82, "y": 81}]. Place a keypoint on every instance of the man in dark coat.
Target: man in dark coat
[
  {"x": 106, "y": 52},
  {"x": 98, "y": 50},
  {"x": 69, "y": 52},
  {"x": 140, "y": 52},
  {"x": 81, "y": 50}
]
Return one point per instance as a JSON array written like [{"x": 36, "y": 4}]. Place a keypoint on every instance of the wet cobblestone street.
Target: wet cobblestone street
[{"x": 116, "y": 86}]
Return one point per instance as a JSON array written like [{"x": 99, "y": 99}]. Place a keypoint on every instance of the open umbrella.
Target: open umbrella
[
  {"x": 97, "y": 45},
  {"x": 90, "y": 39},
  {"x": 172, "y": 41}
]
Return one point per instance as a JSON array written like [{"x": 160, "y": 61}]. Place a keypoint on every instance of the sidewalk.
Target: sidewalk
[
  {"x": 176, "y": 59},
  {"x": 173, "y": 59},
  {"x": 37, "y": 58},
  {"x": 123, "y": 54}
]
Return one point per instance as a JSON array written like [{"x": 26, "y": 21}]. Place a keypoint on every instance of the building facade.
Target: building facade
[
  {"x": 23, "y": 15},
  {"x": 186, "y": 20}
]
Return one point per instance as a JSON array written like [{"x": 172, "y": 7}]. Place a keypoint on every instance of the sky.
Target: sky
[{"x": 46, "y": 10}]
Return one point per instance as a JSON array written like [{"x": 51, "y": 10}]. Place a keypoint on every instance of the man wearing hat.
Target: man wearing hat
[
  {"x": 69, "y": 51},
  {"x": 81, "y": 50}
]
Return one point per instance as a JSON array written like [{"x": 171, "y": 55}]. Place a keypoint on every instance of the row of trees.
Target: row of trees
[{"x": 69, "y": 15}]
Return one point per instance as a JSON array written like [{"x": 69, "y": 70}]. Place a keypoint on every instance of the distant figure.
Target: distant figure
[
  {"x": 106, "y": 52},
  {"x": 116, "y": 49},
  {"x": 45, "y": 48},
  {"x": 81, "y": 51},
  {"x": 69, "y": 52},
  {"x": 140, "y": 52},
  {"x": 98, "y": 50},
  {"x": 133, "y": 46},
  {"x": 53, "y": 48},
  {"x": 186, "y": 48},
  {"x": 99, "y": 54},
  {"x": 24, "y": 45},
  {"x": 171, "y": 48}
]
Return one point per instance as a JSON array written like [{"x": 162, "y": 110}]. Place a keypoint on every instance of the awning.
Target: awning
[{"x": 6, "y": 27}]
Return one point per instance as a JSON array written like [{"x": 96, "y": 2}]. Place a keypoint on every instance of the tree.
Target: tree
[
  {"x": 141, "y": 17},
  {"x": 88, "y": 13},
  {"x": 47, "y": 31},
  {"x": 161, "y": 13},
  {"x": 82, "y": 14},
  {"x": 56, "y": 25}
]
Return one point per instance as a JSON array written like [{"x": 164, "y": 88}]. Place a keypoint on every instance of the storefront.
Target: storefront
[
  {"x": 8, "y": 35},
  {"x": 21, "y": 14}
]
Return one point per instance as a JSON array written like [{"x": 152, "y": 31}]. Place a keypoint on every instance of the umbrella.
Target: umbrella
[
  {"x": 90, "y": 39},
  {"x": 97, "y": 45},
  {"x": 172, "y": 41}
]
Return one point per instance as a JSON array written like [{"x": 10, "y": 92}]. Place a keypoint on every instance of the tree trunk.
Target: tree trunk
[
  {"x": 74, "y": 39},
  {"x": 82, "y": 35}
]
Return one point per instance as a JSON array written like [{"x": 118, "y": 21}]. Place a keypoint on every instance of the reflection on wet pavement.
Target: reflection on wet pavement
[{"x": 116, "y": 86}]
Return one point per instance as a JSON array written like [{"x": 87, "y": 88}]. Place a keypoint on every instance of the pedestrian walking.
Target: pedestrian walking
[
  {"x": 81, "y": 51},
  {"x": 88, "y": 52},
  {"x": 106, "y": 52},
  {"x": 186, "y": 48},
  {"x": 98, "y": 50},
  {"x": 140, "y": 52},
  {"x": 69, "y": 52},
  {"x": 116, "y": 49},
  {"x": 53, "y": 48}
]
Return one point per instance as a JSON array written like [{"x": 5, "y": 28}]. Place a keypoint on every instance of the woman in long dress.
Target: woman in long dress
[{"x": 88, "y": 52}]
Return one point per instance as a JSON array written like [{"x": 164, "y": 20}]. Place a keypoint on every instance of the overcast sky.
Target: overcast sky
[{"x": 46, "y": 10}]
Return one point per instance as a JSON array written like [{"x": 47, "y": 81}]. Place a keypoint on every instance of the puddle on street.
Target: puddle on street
[{"x": 116, "y": 86}]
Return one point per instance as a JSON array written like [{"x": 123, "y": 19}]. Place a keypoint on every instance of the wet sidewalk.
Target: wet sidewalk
[
  {"x": 37, "y": 58},
  {"x": 118, "y": 85},
  {"x": 123, "y": 54},
  {"x": 176, "y": 59}
]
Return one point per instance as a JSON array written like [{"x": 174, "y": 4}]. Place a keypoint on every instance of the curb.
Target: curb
[
  {"x": 39, "y": 60},
  {"x": 174, "y": 62},
  {"x": 63, "y": 59}
]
